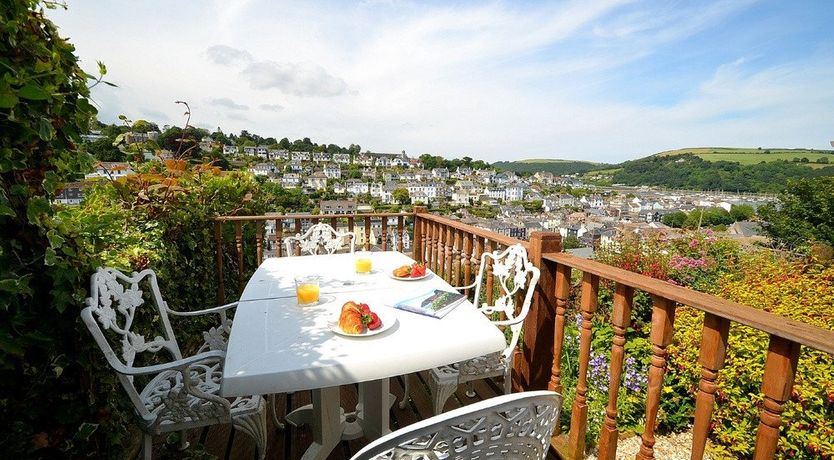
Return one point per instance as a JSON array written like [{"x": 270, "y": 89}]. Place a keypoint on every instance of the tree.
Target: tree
[
  {"x": 182, "y": 141},
  {"x": 675, "y": 219},
  {"x": 284, "y": 144},
  {"x": 805, "y": 214},
  {"x": 742, "y": 212},
  {"x": 822, "y": 160},
  {"x": 143, "y": 126},
  {"x": 571, "y": 242},
  {"x": 401, "y": 196},
  {"x": 104, "y": 150}
]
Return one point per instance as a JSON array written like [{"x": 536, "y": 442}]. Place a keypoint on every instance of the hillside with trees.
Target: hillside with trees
[
  {"x": 556, "y": 167},
  {"x": 688, "y": 171}
]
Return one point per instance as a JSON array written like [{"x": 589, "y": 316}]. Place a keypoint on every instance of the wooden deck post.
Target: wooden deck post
[
  {"x": 777, "y": 383},
  {"x": 419, "y": 237},
  {"x": 532, "y": 371}
]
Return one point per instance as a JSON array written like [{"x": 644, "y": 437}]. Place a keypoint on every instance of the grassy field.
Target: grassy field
[{"x": 753, "y": 156}]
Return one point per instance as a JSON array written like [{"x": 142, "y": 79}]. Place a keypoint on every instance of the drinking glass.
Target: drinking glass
[
  {"x": 363, "y": 263},
  {"x": 307, "y": 289}
]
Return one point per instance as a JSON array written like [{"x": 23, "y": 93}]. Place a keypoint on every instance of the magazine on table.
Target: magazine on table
[{"x": 436, "y": 303}]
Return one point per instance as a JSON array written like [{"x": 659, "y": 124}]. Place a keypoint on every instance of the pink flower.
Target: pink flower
[{"x": 693, "y": 244}]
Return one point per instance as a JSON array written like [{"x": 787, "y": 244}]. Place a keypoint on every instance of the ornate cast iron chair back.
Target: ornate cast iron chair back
[
  {"x": 515, "y": 275},
  {"x": 515, "y": 426},
  {"x": 319, "y": 236}
]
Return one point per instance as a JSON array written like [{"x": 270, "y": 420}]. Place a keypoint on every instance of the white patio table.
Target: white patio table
[{"x": 276, "y": 346}]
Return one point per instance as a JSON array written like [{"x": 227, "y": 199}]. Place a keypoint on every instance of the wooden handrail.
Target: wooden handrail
[
  {"x": 771, "y": 323},
  {"x": 308, "y": 216},
  {"x": 480, "y": 232}
]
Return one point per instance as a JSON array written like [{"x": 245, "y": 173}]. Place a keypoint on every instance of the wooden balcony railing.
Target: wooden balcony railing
[
  {"x": 242, "y": 242},
  {"x": 786, "y": 338},
  {"x": 452, "y": 250}
]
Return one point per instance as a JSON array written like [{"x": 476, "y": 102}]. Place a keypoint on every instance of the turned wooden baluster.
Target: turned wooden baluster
[
  {"x": 367, "y": 233},
  {"x": 279, "y": 237},
  {"x": 777, "y": 383},
  {"x": 297, "y": 248},
  {"x": 426, "y": 225},
  {"x": 351, "y": 225},
  {"x": 476, "y": 258},
  {"x": 488, "y": 270},
  {"x": 447, "y": 251},
  {"x": 456, "y": 258},
  {"x": 713, "y": 351},
  {"x": 239, "y": 247},
  {"x": 259, "y": 239},
  {"x": 623, "y": 299},
  {"x": 579, "y": 413},
  {"x": 663, "y": 319},
  {"x": 401, "y": 232},
  {"x": 562, "y": 295},
  {"x": 466, "y": 258},
  {"x": 218, "y": 243},
  {"x": 419, "y": 240},
  {"x": 435, "y": 244},
  {"x": 315, "y": 220},
  {"x": 384, "y": 232},
  {"x": 334, "y": 223}
]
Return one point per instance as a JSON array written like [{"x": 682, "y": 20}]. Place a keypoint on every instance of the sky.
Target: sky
[{"x": 602, "y": 81}]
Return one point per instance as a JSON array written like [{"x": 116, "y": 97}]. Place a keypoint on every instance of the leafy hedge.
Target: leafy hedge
[{"x": 758, "y": 279}]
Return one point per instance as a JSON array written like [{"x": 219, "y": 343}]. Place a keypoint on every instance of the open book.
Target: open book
[{"x": 436, "y": 303}]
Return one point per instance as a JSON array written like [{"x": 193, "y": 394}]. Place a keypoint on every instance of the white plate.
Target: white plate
[
  {"x": 388, "y": 316},
  {"x": 408, "y": 278}
]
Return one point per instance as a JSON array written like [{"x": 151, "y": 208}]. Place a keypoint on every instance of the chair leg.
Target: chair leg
[
  {"x": 441, "y": 391},
  {"x": 278, "y": 423},
  {"x": 183, "y": 444},
  {"x": 406, "y": 395},
  {"x": 508, "y": 381},
  {"x": 254, "y": 424},
  {"x": 147, "y": 446},
  {"x": 470, "y": 391}
]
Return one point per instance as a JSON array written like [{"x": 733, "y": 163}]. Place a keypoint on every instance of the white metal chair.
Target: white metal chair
[
  {"x": 516, "y": 426},
  {"x": 180, "y": 393},
  {"x": 319, "y": 236},
  {"x": 514, "y": 274}
]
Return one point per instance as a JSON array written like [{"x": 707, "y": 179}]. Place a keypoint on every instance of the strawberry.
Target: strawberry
[
  {"x": 418, "y": 270},
  {"x": 366, "y": 310},
  {"x": 375, "y": 322}
]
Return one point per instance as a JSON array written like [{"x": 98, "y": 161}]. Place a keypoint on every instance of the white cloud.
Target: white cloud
[
  {"x": 226, "y": 55},
  {"x": 496, "y": 81},
  {"x": 271, "y": 107},
  {"x": 228, "y": 103},
  {"x": 299, "y": 79}
]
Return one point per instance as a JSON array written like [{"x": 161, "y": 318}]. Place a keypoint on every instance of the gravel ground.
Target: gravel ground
[{"x": 670, "y": 447}]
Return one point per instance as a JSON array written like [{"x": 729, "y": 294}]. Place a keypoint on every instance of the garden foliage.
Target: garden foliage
[{"x": 720, "y": 267}]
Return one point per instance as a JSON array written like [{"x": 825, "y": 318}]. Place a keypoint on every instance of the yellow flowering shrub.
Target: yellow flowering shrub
[{"x": 803, "y": 293}]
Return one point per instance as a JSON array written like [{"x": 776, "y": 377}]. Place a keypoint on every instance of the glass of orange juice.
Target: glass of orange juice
[
  {"x": 307, "y": 289},
  {"x": 363, "y": 263}
]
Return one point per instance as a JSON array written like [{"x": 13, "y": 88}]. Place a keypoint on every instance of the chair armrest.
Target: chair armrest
[
  {"x": 178, "y": 364},
  {"x": 468, "y": 286},
  {"x": 207, "y": 311}
]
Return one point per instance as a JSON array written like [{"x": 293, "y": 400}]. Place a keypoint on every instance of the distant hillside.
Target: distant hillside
[
  {"x": 749, "y": 156},
  {"x": 691, "y": 171},
  {"x": 557, "y": 167}
]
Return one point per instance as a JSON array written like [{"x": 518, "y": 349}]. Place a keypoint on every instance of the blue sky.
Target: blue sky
[{"x": 593, "y": 80}]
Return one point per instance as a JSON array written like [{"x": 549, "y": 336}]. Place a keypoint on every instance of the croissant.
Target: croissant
[{"x": 350, "y": 319}]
